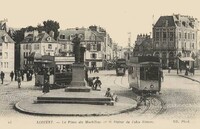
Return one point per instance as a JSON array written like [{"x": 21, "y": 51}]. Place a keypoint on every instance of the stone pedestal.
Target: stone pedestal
[{"x": 78, "y": 83}]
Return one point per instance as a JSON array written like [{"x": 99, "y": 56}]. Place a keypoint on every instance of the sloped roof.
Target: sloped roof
[
  {"x": 9, "y": 39},
  {"x": 69, "y": 32},
  {"x": 147, "y": 42},
  {"x": 86, "y": 33},
  {"x": 40, "y": 38},
  {"x": 165, "y": 21}
]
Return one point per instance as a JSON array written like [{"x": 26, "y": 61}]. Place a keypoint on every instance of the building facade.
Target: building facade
[
  {"x": 175, "y": 37},
  {"x": 97, "y": 42},
  {"x": 143, "y": 46},
  {"x": 36, "y": 45},
  {"x": 7, "y": 52}
]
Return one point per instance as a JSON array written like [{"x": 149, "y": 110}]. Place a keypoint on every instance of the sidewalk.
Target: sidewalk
[{"x": 195, "y": 77}]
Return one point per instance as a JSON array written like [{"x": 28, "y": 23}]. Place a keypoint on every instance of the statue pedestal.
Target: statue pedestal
[{"x": 78, "y": 83}]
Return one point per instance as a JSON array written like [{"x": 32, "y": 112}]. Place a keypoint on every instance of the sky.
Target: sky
[{"x": 118, "y": 17}]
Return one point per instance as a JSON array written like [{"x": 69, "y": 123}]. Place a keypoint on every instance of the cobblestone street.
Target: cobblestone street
[{"x": 180, "y": 94}]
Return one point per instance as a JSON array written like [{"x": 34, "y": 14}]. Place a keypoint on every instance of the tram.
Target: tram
[
  {"x": 120, "y": 67},
  {"x": 59, "y": 70},
  {"x": 144, "y": 74}
]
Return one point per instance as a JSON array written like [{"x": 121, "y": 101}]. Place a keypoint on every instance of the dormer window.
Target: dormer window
[
  {"x": 5, "y": 38},
  {"x": 184, "y": 24},
  {"x": 49, "y": 39},
  {"x": 62, "y": 36}
]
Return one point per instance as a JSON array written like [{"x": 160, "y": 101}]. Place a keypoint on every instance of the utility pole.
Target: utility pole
[{"x": 129, "y": 45}]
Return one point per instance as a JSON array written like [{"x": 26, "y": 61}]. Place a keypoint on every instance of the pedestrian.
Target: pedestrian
[
  {"x": 192, "y": 70},
  {"x": 97, "y": 83},
  {"x": 11, "y": 75},
  {"x": 108, "y": 93},
  {"x": 187, "y": 70},
  {"x": 90, "y": 81},
  {"x": 161, "y": 75},
  {"x": 2, "y": 76},
  {"x": 27, "y": 75},
  {"x": 169, "y": 69},
  {"x": 22, "y": 75},
  {"x": 19, "y": 81},
  {"x": 46, "y": 86},
  {"x": 15, "y": 75},
  {"x": 113, "y": 96}
]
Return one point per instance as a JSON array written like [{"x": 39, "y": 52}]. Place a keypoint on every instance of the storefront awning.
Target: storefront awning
[
  {"x": 186, "y": 59},
  {"x": 35, "y": 55}
]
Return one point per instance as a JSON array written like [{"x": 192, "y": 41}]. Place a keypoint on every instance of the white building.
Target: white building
[
  {"x": 37, "y": 44},
  {"x": 7, "y": 52}
]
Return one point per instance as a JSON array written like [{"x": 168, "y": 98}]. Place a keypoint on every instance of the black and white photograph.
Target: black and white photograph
[{"x": 100, "y": 64}]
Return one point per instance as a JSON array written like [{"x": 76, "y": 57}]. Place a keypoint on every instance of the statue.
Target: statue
[{"x": 76, "y": 49}]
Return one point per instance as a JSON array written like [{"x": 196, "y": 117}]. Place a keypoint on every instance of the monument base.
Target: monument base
[
  {"x": 78, "y": 89},
  {"x": 78, "y": 83},
  {"x": 93, "y": 97}
]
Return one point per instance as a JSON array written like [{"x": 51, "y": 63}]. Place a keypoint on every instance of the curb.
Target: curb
[
  {"x": 22, "y": 110},
  {"x": 189, "y": 78}
]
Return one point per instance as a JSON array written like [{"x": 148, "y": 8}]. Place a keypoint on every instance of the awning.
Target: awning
[
  {"x": 42, "y": 61},
  {"x": 186, "y": 59},
  {"x": 36, "y": 56}
]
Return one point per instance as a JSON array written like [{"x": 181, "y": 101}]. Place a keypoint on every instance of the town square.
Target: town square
[{"x": 109, "y": 63}]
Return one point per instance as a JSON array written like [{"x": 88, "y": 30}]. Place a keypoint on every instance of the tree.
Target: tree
[
  {"x": 18, "y": 35},
  {"x": 51, "y": 25}
]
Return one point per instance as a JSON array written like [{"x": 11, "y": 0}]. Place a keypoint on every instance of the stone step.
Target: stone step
[
  {"x": 74, "y": 98},
  {"x": 95, "y": 102}
]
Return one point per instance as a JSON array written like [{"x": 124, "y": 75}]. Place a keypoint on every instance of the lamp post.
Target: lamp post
[{"x": 177, "y": 58}]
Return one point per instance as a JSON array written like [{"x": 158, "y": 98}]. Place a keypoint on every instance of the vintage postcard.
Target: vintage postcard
[{"x": 100, "y": 64}]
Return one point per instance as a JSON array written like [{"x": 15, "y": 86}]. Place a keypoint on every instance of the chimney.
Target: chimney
[
  {"x": 35, "y": 33},
  {"x": 166, "y": 23},
  {"x": 51, "y": 33}
]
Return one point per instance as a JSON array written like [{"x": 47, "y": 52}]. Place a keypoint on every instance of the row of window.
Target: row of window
[
  {"x": 187, "y": 35},
  {"x": 36, "y": 46},
  {"x": 165, "y": 35},
  {"x": 164, "y": 54},
  {"x": 26, "y": 54},
  {"x": 171, "y": 36},
  {"x": 4, "y": 65},
  {"x": 27, "y": 62}
]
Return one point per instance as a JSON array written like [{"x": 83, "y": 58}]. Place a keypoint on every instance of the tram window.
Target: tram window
[
  {"x": 149, "y": 73},
  {"x": 142, "y": 73},
  {"x": 152, "y": 73}
]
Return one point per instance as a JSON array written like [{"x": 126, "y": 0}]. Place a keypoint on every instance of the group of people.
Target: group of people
[
  {"x": 94, "y": 82},
  {"x": 19, "y": 76},
  {"x": 189, "y": 70},
  {"x": 113, "y": 96},
  {"x": 94, "y": 69}
]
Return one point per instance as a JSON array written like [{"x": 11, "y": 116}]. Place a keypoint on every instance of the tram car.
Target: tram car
[
  {"x": 120, "y": 67},
  {"x": 144, "y": 74},
  {"x": 59, "y": 71}
]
